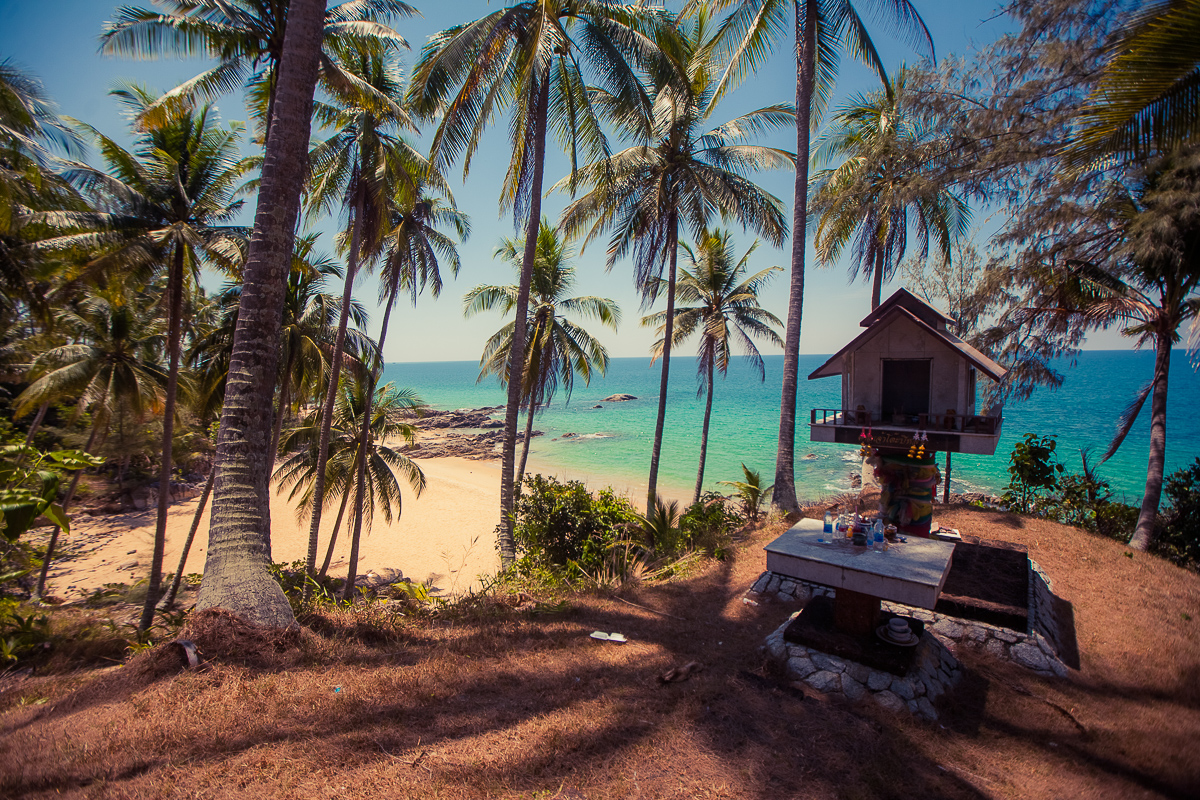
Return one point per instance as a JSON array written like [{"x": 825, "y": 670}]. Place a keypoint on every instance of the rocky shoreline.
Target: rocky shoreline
[{"x": 437, "y": 435}]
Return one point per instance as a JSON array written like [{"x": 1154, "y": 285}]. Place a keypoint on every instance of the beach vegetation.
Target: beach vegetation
[
  {"x": 819, "y": 33},
  {"x": 751, "y": 492},
  {"x": 557, "y": 348},
  {"x": 1178, "y": 537},
  {"x": 878, "y": 190},
  {"x": 680, "y": 169},
  {"x": 1034, "y": 472},
  {"x": 563, "y": 525},
  {"x": 719, "y": 303},
  {"x": 246, "y": 39},
  {"x": 534, "y": 60}
]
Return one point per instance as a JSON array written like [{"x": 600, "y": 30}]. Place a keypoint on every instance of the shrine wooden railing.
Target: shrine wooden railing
[{"x": 963, "y": 423}]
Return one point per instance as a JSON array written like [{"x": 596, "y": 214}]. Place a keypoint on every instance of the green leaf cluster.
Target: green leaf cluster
[
  {"x": 29, "y": 483},
  {"x": 563, "y": 524},
  {"x": 1033, "y": 470}
]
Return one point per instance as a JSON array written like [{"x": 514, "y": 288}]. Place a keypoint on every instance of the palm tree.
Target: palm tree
[
  {"x": 357, "y": 167},
  {"x": 112, "y": 364},
  {"x": 246, "y": 39},
  {"x": 724, "y": 307},
  {"x": 411, "y": 263},
  {"x": 558, "y": 348},
  {"x": 1150, "y": 283},
  {"x": 878, "y": 189},
  {"x": 235, "y": 574},
  {"x": 350, "y": 464},
  {"x": 528, "y": 58},
  {"x": 822, "y": 28},
  {"x": 1147, "y": 98},
  {"x": 164, "y": 205},
  {"x": 677, "y": 172}
]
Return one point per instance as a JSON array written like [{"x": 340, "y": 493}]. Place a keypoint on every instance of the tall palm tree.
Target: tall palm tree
[
  {"x": 165, "y": 206},
  {"x": 113, "y": 364},
  {"x": 528, "y": 58},
  {"x": 878, "y": 190},
  {"x": 1148, "y": 97},
  {"x": 822, "y": 29},
  {"x": 246, "y": 39},
  {"x": 724, "y": 307},
  {"x": 358, "y": 168},
  {"x": 1149, "y": 282},
  {"x": 679, "y": 169},
  {"x": 351, "y": 463},
  {"x": 235, "y": 573},
  {"x": 411, "y": 263},
  {"x": 558, "y": 348}
]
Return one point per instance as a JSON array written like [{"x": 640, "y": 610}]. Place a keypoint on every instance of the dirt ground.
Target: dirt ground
[{"x": 523, "y": 704}]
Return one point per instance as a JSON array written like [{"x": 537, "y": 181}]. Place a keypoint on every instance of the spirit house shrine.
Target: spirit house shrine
[{"x": 908, "y": 391}]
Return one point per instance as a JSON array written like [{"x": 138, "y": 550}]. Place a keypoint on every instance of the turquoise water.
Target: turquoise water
[{"x": 612, "y": 445}]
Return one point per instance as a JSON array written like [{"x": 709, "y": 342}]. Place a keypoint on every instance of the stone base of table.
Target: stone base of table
[{"x": 815, "y": 627}]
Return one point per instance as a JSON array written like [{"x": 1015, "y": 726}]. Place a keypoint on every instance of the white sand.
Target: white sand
[{"x": 445, "y": 536}]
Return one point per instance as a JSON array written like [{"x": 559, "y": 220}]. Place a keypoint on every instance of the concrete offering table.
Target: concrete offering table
[{"x": 911, "y": 572}]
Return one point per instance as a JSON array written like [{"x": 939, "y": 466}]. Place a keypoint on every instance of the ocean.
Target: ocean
[{"x": 611, "y": 445}]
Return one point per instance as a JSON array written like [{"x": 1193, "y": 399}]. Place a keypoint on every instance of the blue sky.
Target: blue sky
[{"x": 57, "y": 41}]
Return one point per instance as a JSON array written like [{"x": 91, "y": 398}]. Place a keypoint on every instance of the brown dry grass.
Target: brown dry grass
[{"x": 507, "y": 704}]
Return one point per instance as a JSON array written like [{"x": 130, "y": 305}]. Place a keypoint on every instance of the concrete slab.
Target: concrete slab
[{"x": 911, "y": 572}]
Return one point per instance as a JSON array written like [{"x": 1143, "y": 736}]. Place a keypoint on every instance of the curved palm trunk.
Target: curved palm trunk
[
  {"x": 525, "y": 447},
  {"x": 704, "y": 433},
  {"x": 364, "y": 442},
  {"x": 283, "y": 404},
  {"x": 1143, "y": 535},
  {"x": 235, "y": 574},
  {"x": 174, "y": 333},
  {"x": 784, "y": 496},
  {"x": 169, "y": 598},
  {"x": 508, "y": 553},
  {"x": 333, "y": 536},
  {"x": 41, "y": 584},
  {"x": 335, "y": 371},
  {"x": 37, "y": 422},
  {"x": 668, "y": 333}
]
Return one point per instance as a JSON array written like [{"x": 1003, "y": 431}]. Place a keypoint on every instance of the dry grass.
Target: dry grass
[{"x": 511, "y": 704}]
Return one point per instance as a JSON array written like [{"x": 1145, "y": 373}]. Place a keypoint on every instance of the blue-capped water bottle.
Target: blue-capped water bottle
[{"x": 828, "y": 521}]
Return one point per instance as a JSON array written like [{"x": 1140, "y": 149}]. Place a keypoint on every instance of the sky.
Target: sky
[{"x": 57, "y": 41}]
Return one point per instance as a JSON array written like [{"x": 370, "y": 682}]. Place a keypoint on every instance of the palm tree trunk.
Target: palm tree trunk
[
  {"x": 784, "y": 496},
  {"x": 364, "y": 442},
  {"x": 668, "y": 333},
  {"x": 516, "y": 359},
  {"x": 877, "y": 281},
  {"x": 37, "y": 422},
  {"x": 41, "y": 584},
  {"x": 283, "y": 404},
  {"x": 174, "y": 334},
  {"x": 1143, "y": 535},
  {"x": 169, "y": 598},
  {"x": 333, "y": 535},
  {"x": 235, "y": 575},
  {"x": 704, "y": 432},
  {"x": 525, "y": 447},
  {"x": 335, "y": 371}
]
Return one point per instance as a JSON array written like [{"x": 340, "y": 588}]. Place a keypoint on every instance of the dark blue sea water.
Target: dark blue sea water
[{"x": 612, "y": 445}]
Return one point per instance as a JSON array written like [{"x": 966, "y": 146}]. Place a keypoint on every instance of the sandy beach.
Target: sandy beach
[{"x": 445, "y": 536}]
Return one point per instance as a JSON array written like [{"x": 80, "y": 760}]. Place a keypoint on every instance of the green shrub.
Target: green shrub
[
  {"x": 707, "y": 524},
  {"x": 563, "y": 524},
  {"x": 1033, "y": 470},
  {"x": 1178, "y": 537}
]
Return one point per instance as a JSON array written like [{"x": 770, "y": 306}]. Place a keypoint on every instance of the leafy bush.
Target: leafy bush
[
  {"x": 707, "y": 525},
  {"x": 1085, "y": 501},
  {"x": 1178, "y": 536},
  {"x": 1033, "y": 470},
  {"x": 560, "y": 524}
]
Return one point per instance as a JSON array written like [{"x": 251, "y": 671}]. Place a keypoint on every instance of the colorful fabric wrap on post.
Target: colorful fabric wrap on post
[{"x": 906, "y": 493}]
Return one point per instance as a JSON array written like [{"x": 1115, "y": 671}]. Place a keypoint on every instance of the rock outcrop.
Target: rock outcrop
[{"x": 618, "y": 398}]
